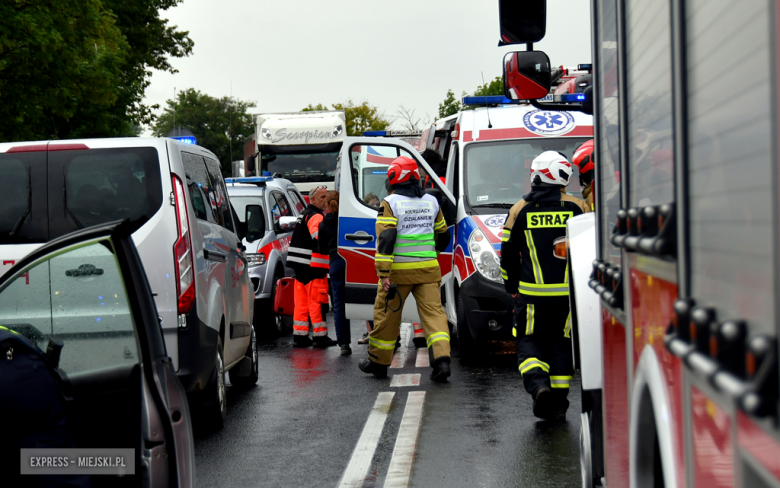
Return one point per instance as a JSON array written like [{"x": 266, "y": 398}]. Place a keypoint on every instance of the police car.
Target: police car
[
  {"x": 489, "y": 152},
  {"x": 269, "y": 207}
]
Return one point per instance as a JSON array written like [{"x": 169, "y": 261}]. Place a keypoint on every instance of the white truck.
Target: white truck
[{"x": 299, "y": 146}]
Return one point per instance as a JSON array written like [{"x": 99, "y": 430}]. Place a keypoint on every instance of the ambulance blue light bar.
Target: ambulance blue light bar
[
  {"x": 186, "y": 139},
  {"x": 577, "y": 97},
  {"x": 392, "y": 133},
  {"x": 250, "y": 180},
  {"x": 489, "y": 100}
]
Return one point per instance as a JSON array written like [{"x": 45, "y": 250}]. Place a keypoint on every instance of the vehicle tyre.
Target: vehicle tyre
[
  {"x": 214, "y": 406},
  {"x": 467, "y": 346},
  {"x": 251, "y": 353}
]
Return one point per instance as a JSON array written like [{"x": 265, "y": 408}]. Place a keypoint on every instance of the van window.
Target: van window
[
  {"x": 279, "y": 207},
  {"x": 296, "y": 200},
  {"x": 369, "y": 171},
  {"x": 219, "y": 195},
  {"x": 199, "y": 184},
  {"x": 23, "y": 187},
  {"x": 102, "y": 185}
]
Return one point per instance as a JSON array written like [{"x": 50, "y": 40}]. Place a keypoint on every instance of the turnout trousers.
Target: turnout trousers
[
  {"x": 308, "y": 303},
  {"x": 387, "y": 324},
  {"x": 544, "y": 356}
]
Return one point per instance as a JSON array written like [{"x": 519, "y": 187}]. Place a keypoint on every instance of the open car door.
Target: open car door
[
  {"x": 360, "y": 179},
  {"x": 114, "y": 386}
]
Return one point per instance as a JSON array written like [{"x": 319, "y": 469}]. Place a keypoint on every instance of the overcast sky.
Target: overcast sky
[{"x": 286, "y": 54}]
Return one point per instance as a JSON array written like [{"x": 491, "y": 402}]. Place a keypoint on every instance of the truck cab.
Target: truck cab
[{"x": 299, "y": 146}]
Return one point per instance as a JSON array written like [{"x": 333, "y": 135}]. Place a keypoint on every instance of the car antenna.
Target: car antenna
[{"x": 487, "y": 110}]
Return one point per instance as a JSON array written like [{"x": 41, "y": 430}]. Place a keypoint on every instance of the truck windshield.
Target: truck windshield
[
  {"x": 299, "y": 168},
  {"x": 497, "y": 173}
]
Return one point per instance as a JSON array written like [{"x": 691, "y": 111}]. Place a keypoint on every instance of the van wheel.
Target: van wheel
[
  {"x": 468, "y": 347},
  {"x": 254, "y": 374},
  {"x": 215, "y": 395}
]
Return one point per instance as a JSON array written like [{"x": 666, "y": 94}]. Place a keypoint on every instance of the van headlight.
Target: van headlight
[
  {"x": 255, "y": 259},
  {"x": 485, "y": 257}
]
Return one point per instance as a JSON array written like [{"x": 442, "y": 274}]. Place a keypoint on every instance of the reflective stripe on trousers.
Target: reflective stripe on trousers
[
  {"x": 532, "y": 363},
  {"x": 560, "y": 381}
]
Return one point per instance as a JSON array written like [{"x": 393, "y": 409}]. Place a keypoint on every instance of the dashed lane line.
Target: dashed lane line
[
  {"x": 400, "y": 356},
  {"x": 360, "y": 462},
  {"x": 400, "y": 469},
  {"x": 402, "y": 380},
  {"x": 422, "y": 361}
]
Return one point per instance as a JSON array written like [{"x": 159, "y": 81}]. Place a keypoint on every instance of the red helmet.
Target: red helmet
[
  {"x": 583, "y": 157},
  {"x": 403, "y": 170}
]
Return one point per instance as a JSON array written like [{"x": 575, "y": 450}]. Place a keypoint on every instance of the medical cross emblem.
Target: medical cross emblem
[{"x": 548, "y": 123}]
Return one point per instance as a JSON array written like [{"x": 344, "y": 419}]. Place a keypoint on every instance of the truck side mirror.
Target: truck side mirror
[
  {"x": 522, "y": 21},
  {"x": 527, "y": 75},
  {"x": 255, "y": 223}
]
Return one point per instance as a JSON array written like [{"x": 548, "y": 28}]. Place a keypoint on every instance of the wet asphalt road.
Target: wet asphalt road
[{"x": 300, "y": 424}]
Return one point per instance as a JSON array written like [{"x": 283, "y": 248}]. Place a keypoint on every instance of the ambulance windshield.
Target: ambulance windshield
[{"x": 497, "y": 173}]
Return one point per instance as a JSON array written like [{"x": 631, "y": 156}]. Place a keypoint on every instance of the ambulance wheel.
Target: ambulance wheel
[
  {"x": 467, "y": 346},
  {"x": 249, "y": 380}
]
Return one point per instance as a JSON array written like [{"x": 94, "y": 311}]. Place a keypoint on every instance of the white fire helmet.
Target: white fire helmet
[{"x": 552, "y": 168}]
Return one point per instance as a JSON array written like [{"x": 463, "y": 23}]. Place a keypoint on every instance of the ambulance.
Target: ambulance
[{"x": 489, "y": 152}]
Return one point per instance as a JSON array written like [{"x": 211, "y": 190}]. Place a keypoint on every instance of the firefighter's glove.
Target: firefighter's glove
[{"x": 391, "y": 295}]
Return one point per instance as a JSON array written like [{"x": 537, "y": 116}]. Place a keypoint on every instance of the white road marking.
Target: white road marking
[
  {"x": 401, "y": 380},
  {"x": 400, "y": 356},
  {"x": 400, "y": 469},
  {"x": 423, "y": 361},
  {"x": 359, "y": 464}
]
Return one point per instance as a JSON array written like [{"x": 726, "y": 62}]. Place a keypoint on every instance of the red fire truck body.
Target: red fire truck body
[{"x": 688, "y": 268}]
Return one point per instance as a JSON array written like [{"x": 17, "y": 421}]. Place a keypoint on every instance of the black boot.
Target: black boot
[
  {"x": 301, "y": 341},
  {"x": 441, "y": 369},
  {"x": 544, "y": 403},
  {"x": 370, "y": 367},
  {"x": 419, "y": 342},
  {"x": 324, "y": 341}
]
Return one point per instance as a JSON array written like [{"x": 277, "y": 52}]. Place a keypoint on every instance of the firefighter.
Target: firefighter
[
  {"x": 538, "y": 282},
  {"x": 411, "y": 231},
  {"x": 583, "y": 159},
  {"x": 311, "y": 267}
]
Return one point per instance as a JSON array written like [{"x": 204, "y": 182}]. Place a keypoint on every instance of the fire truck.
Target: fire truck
[{"x": 687, "y": 265}]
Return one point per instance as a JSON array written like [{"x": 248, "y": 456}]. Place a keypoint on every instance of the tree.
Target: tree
[
  {"x": 55, "y": 57},
  {"x": 410, "y": 121},
  {"x": 79, "y": 68},
  {"x": 360, "y": 118},
  {"x": 217, "y": 123},
  {"x": 452, "y": 106}
]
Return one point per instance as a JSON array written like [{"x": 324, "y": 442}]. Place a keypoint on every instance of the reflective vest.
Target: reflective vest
[
  {"x": 303, "y": 255},
  {"x": 528, "y": 264},
  {"x": 406, "y": 244}
]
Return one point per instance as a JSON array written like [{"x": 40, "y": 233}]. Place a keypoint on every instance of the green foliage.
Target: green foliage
[
  {"x": 313, "y": 108},
  {"x": 79, "y": 68},
  {"x": 452, "y": 106},
  {"x": 216, "y": 123},
  {"x": 360, "y": 117},
  {"x": 449, "y": 106}
]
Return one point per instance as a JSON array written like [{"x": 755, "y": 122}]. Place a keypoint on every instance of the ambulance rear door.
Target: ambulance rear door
[{"x": 360, "y": 175}]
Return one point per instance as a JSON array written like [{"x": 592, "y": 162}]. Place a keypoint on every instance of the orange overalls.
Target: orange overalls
[{"x": 310, "y": 297}]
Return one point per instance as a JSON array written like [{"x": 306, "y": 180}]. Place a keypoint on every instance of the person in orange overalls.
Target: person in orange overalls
[{"x": 311, "y": 268}]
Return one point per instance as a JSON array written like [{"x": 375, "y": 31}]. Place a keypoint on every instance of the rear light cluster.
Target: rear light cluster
[
  {"x": 182, "y": 252},
  {"x": 721, "y": 352}
]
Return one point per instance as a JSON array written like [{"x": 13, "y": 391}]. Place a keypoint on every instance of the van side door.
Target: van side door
[{"x": 360, "y": 177}]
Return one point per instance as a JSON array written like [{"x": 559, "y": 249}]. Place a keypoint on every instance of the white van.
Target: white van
[{"x": 187, "y": 237}]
